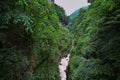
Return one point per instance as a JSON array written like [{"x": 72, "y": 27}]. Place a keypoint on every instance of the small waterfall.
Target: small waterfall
[{"x": 63, "y": 66}]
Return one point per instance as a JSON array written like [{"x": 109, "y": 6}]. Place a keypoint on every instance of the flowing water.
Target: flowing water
[
  {"x": 63, "y": 66},
  {"x": 64, "y": 63}
]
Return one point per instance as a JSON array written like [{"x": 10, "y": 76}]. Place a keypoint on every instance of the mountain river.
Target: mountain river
[{"x": 63, "y": 66}]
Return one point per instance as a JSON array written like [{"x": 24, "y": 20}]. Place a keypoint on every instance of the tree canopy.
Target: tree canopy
[
  {"x": 97, "y": 33},
  {"x": 34, "y": 36}
]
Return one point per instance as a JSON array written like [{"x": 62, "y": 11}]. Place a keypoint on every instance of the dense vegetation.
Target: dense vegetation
[
  {"x": 61, "y": 15},
  {"x": 31, "y": 40},
  {"x": 75, "y": 13},
  {"x": 96, "y": 55}
]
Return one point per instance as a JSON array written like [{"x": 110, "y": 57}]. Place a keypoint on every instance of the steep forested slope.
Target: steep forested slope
[
  {"x": 31, "y": 40},
  {"x": 61, "y": 15},
  {"x": 97, "y": 42},
  {"x": 75, "y": 13}
]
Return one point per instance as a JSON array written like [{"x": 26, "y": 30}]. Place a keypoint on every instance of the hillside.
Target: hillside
[
  {"x": 97, "y": 36},
  {"x": 36, "y": 45},
  {"x": 31, "y": 40},
  {"x": 75, "y": 13}
]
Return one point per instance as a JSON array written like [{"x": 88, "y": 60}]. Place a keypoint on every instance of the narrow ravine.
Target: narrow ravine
[
  {"x": 63, "y": 66},
  {"x": 63, "y": 63}
]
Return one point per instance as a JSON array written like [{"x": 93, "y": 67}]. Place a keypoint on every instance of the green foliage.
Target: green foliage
[
  {"x": 30, "y": 38},
  {"x": 12, "y": 62},
  {"x": 97, "y": 34},
  {"x": 61, "y": 15},
  {"x": 92, "y": 69},
  {"x": 75, "y": 13}
]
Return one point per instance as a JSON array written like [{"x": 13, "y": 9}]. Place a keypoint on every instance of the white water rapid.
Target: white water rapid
[
  {"x": 62, "y": 67},
  {"x": 64, "y": 63}
]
